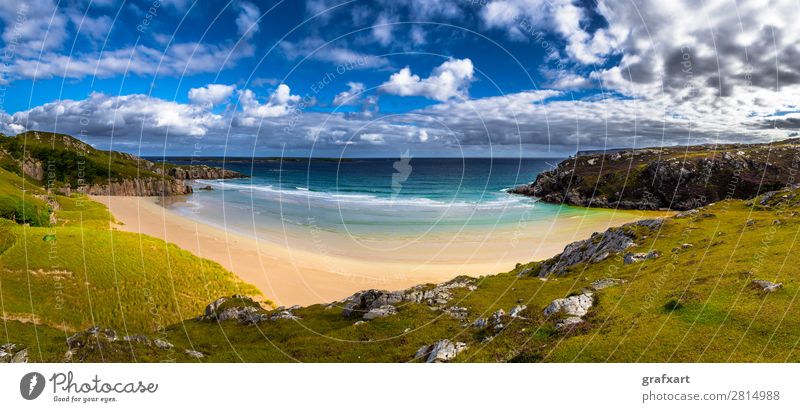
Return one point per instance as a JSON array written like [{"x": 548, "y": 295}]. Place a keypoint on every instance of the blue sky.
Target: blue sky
[{"x": 378, "y": 77}]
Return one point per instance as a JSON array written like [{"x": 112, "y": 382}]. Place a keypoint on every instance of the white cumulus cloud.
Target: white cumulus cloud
[
  {"x": 211, "y": 95},
  {"x": 449, "y": 80}
]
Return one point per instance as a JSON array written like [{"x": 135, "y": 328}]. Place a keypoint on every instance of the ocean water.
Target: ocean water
[{"x": 370, "y": 198}]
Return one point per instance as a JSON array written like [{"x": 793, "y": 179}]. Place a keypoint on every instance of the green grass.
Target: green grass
[
  {"x": 69, "y": 160},
  {"x": 79, "y": 272},
  {"x": 22, "y": 206}
]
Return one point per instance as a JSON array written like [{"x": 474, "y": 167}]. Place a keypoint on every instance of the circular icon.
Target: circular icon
[{"x": 31, "y": 385}]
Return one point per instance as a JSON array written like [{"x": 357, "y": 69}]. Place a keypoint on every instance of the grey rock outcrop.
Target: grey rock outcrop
[
  {"x": 577, "y": 305},
  {"x": 138, "y": 187},
  {"x": 20, "y": 357},
  {"x": 665, "y": 177},
  {"x": 437, "y": 296},
  {"x": 441, "y": 351},
  {"x": 497, "y": 318},
  {"x": 242, "y": 309},
  {"x": 380, "y": 312},
  {"x": 94, "y": 336},
  {"x": 631, "y": 258},
  {"x": 195, "y": 172},
  {"x": 516, "y": 311},
  {"x": 13, "y": 353},
  {"x": 457, "y": 312},
  {"x": 138, "y": 339},
  {"x": 767, "y": 286},
  {"x": 33, "y": 169},
  {"x": 162, "y": 344},
  {"x": 597, "y": 248}
]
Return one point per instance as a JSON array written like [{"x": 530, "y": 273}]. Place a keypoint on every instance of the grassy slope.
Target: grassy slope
[
  {"x": 694, "y": 304},
  {"x": 78, "y": 273}
]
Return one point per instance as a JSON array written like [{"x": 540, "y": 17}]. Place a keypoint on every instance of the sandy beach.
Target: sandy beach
[{"x": 297, "y": 268}]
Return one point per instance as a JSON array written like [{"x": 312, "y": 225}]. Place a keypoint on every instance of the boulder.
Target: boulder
[
  {"x": 480, "y": 323},
  {"x": 577, "y": 305},
  {"x": 138, "y": 339},
  {"x": 94, "y": 336},
  {"x": 193, "y": 353},
  {"x": 631, "y": 258},
  {"x": 284, "y": 314},
  {"x": 457, "y": 312},
  {"x": 767, "y": 286},
  {"x": 162, "y": 344},
  {"x": 496, "y": 319},
  {"x": 517, "y": 310},
  {"x": 441, "y": 351},
  {"x": 237, "y": 307},
  {"x": 20, "y": 357}
]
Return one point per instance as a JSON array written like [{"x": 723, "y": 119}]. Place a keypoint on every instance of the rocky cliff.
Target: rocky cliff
[
  {"x": 199, "y": 172},
  {"x": 679, "y": 178},
  {"x": 139, "y": 187}
]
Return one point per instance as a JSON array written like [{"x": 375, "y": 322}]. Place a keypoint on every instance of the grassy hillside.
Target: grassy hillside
[
  {"x": 77, "y": 272},
  {"x": 695, "y": 302},
  {"x": 71, "y": 160}
]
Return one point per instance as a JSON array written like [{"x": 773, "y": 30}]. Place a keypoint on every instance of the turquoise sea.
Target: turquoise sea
[{"x": 401, "y": 197}]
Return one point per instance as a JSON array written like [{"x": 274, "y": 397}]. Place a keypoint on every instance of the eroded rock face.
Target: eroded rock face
[
  {"x": 570, "y": 306},
  {"x": 441, "y": 351},
  {"x": 138, "y": 187},
  {"x": 33, "y": 169}
]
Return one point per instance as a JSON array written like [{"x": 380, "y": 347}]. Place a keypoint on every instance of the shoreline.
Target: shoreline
[{"x": 292, "y": 272}]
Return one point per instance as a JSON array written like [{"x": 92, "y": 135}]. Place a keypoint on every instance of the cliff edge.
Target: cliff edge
[{"x": 677, "y": 178}]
